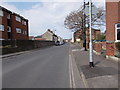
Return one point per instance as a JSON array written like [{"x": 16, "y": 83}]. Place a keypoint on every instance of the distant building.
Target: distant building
[
  {"x": 78, "y": 35},
  {"x": 66, "y": 40},
  {"x": 48, "y": 35},
  {"x": 95, "y": 34},
  {"x": 12, "y": 26},
  {"x": 55, "y": 38},
  {"x": 31, "y": 38},
  {"x": 61, "y": 41}
]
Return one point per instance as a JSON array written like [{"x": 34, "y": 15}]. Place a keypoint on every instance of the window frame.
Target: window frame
[
  {"x": 2, "y": 28},
  {"x": 8, "y": 27},
  {"x": 24, "y": 22},
  {"x": 17, "y": 18},
  {"x": 18, "y": 30},
  {"x": 116, "y": 32},
  {"x": 1, "y": 11},
  {"x": 8, "y": 16}
]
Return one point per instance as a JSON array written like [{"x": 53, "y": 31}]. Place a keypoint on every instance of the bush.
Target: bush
[{"x": 118, "y": 46}]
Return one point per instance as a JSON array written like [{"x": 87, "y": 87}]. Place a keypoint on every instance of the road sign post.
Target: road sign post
[{"x": 90, "y": 32}]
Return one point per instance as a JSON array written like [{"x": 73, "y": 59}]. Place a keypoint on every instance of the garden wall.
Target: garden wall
[{"x": 11, "y": 46}]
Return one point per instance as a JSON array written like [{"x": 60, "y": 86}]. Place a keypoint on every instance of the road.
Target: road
[{"x": 44, "y": 68}]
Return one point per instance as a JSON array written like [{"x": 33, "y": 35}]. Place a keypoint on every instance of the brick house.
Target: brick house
[
  {"x": 95, "y": 34},
  {"x": 12, "y": 26},
  {"x": 77, "y": 35},
  {"x": 112, "y": 18}
]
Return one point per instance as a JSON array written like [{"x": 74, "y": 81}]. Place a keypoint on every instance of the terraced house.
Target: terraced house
[{"x": 12, "y": 26}]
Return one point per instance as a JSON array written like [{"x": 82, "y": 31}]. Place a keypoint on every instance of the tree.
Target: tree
[{"x": 75, "y": 20}]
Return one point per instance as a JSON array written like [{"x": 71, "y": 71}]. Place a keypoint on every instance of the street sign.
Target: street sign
[{"x": 94, "y": 10}]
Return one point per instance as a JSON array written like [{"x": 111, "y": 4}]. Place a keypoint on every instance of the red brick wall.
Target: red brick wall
[
  {"x": 14, "y": 24},
  {"x": 4, "y": 22},
  {"x": 112, "y": 17},
  {"x": 110, "y": 49},
  {"x": 119, "y": 13},
  {"x": 97, "y": 46}
]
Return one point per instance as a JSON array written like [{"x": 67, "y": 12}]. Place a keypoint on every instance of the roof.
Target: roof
[
  {"x": 40, "y": 39},
  {"x": 12, "y": 12},
  {"x": 50, "y": 31},
  {"x": 39, "y": 36}
]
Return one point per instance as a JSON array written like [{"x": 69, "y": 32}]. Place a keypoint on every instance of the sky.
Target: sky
[{"x": 44, "y": 14}]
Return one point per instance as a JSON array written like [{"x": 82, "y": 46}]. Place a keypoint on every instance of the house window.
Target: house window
[
  {"x": 117, "y": 27},
  {"x": 24, "y": 22},
  {"x": 25, "y": 32},
  {"x": 18, "y": 18},
  {"x": 1, "y": 12},
  {"x": 2, "y": 39},
  {"x": 118, "y": 34},
  {"x": 8, "y": 16},
  {"x": 1, "y": 27},
  {"x": 8, "y": 28},
  {"x": 18, "y": 30}
]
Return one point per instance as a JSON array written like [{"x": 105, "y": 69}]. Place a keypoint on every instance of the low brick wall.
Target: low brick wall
[
  {"x": 110, "y": 48},
  {"x": 107, "y": 48},
  {"x": 98, "y": 47},
  {"x": 11, "y": 46},
  {"x": 103, "y": 45}
]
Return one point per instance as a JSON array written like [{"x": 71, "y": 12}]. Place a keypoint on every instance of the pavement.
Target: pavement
[
  {"x": 105, "y": 73},
  {"x": 44, "y": 68}
]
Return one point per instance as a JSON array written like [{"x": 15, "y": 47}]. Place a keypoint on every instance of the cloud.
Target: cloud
[
  {"x": 10, "y": 7},
  {"x": 47, "y": 15}
]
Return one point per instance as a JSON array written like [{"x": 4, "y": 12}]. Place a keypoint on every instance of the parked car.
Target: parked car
[{"x": 57, "y": 43}]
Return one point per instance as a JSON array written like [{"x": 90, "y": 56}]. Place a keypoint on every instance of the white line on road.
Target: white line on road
[
  {"x": 70, "y": 72},
  {"x": 72, "y": 79}
]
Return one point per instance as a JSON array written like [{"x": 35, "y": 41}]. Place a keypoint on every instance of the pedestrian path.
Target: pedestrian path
[{"x": 103, "y": 75}]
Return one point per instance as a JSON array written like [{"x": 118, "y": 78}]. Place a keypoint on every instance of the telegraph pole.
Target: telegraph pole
[
  {"x": 90, "y": 32},
  {"x": 84, "y": 27}
]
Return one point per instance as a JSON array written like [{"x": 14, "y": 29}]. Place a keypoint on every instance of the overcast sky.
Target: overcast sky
[{"x": 46, "y": 14}]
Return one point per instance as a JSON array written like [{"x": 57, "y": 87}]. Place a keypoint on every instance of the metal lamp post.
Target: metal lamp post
[
  {"x": 90, "y": 32},
  {"x": 84, "y": 27}
]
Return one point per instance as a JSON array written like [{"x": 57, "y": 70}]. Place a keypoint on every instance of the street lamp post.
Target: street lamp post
[
  {"x": 84, "y": 27},
  {"x": 90, "y": 32}
]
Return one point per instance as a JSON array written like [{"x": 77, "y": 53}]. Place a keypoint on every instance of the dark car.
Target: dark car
[{"x": 57, "y": 43}]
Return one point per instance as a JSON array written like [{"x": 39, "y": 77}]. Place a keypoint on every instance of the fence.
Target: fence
[{"x": 11, "y": 46}]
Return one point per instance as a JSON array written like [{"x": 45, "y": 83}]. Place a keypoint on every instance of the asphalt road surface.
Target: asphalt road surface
[{"x": 44, "y": 68}]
